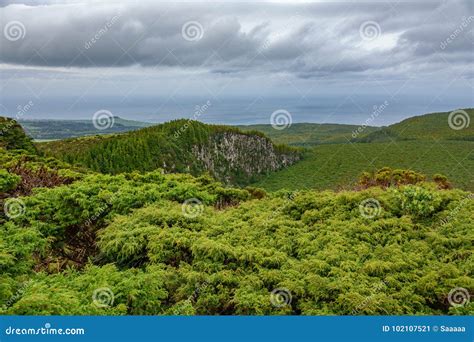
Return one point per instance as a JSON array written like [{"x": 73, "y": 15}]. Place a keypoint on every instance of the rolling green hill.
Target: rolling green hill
[
  {"x": 425, "y": 143},
  {"x": 309, "y": 134},
  {"x": 229, "y": 154},
  {"x": 423, "y": 127},
  {"x": 434, "y": 126},
  {"x": 339, "y": 165}
]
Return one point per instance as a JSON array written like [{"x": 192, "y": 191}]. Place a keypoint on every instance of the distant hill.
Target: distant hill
[
  {"x": 434, "y": 126},
  {"x": 62, "y": 129},
  {"x": 338, "y": 166},
  {"x": 425, "y": 143},
  {"x": 13, "y": 137},
  {"x": 309, "y": 134},
  {"x": 423, "y": 127},
  {"x": 229, "y": 154}
]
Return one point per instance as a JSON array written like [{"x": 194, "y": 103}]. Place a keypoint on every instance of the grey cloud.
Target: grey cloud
[{"x": 237, "y": 38}]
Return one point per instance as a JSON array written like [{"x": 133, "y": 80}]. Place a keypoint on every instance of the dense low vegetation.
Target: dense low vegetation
[
  {"x": 13, "y": 137},
  {"x": 77, "y": 242},
  {"x": 130, "y": 237}
]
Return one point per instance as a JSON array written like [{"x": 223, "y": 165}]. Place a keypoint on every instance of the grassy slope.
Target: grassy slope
[
  {"x": 309, "y": 134},
  {"x": 432, "y": 126},
  {"x": 337, "y": 165},
  {"x": 423, "y": 143}
]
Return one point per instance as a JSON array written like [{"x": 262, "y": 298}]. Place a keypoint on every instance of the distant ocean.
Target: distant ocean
[{"x": 238, "y": 110}]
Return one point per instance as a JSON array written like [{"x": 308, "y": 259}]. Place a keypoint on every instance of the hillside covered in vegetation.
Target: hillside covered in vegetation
[
  {"x": 430, "y": 144},
  {"x": 309, "y": 134},
  {"x": 442, "y": 126},
  {"x": 12, "y": 136},
  {"x": 453, "y": 125},
  {"x": 337, "y": 166},
  {"x": 187, "y": 146},
  {"x": 77, "y": 242}
]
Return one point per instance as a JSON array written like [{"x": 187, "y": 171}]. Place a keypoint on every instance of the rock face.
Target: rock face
[{"x": 235, "y": 157}]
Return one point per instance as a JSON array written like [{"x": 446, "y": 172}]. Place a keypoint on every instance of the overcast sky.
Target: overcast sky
[{"x": 322, "y": 62}]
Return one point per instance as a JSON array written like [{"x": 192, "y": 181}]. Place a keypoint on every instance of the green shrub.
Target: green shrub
[
  {"x": 8, "y": 181},
  {"x": 131, "y": 234},
  {"x": 386, "y": 177},
  {"x": 418, "y": 201}
]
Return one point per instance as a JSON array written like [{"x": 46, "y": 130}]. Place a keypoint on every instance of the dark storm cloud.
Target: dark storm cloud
[{"x": 305, "y": 39}]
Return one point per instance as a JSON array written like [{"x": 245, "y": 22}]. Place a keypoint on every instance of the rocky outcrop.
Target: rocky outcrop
[
  {"x": 234, "y": 157},
  {"x": 179, "y": 146}
]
